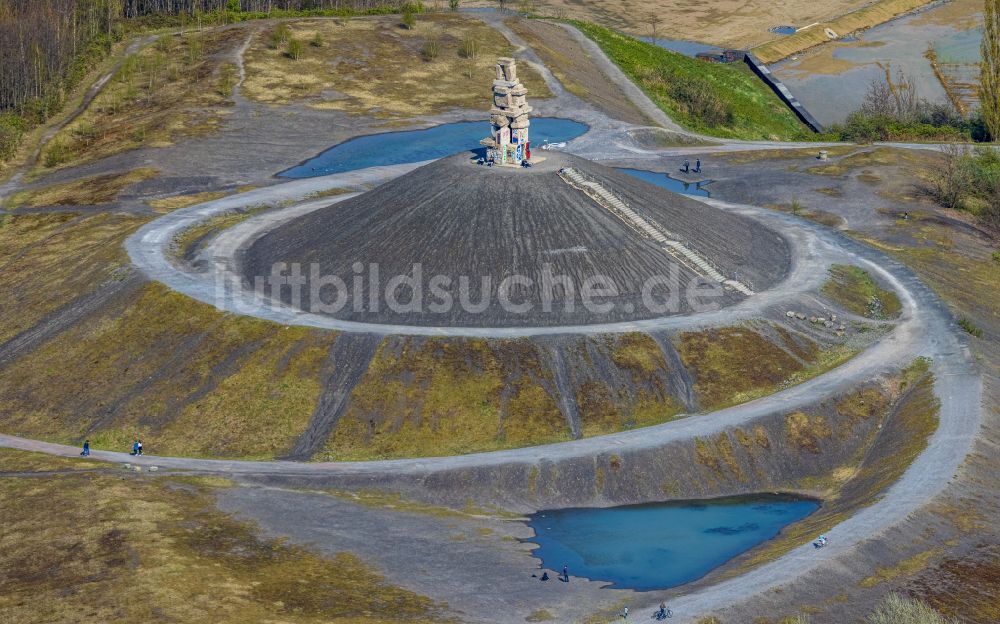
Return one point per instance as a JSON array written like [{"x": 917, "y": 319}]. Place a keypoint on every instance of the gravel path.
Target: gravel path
[
  {"x": 926, "y": 329},
  {"x": 149, "y": 249}
]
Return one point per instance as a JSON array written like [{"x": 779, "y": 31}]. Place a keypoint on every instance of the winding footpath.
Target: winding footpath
[{"x": 926, "y": 329}]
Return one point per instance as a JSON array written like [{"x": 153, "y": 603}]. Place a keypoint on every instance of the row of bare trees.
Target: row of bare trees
[{"x": 40, "y": 39}]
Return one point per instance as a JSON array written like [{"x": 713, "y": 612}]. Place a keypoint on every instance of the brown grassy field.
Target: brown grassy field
[
  {"x": 48, "y": 260},
  {"x": 91, "y": 544},
  {"x": 859, "y": 19},
  {"x": 732, "y": 23},
  {"x": 573, "y": 67},
  {"x": 180, "y": 374},
  {"x": 377, "y": 67},
  {"x": 102, "y": 189},
  {"x": 177, "y": 87},
  {"x": 444, "y": 397},
  {"x": 732, "y": 365}
]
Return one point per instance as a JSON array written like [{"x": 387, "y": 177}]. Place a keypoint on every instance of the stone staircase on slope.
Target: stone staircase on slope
[{"x": 654, "y": 231}]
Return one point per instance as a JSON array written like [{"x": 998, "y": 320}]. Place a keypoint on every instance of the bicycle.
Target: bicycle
[{"x": 663, "y": 614}]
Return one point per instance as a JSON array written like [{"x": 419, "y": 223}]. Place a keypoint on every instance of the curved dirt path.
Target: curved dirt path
[
  {"x": 926, "y": 329},
  {"x": 150, "y": 251}
]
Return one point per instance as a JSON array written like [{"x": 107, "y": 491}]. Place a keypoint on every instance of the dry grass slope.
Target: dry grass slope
[
  {"x": 732, "y": 365},
  {"x": 167, "y": 91},
  {"x": 866, "y": 17},
  {"x": 444, "y": 397},
  {"x": 184, "y": 377},
  {"x": 119, "y": 547},
  {"x": 49, "y": 260},
  {"x": 95, "y": 190},
  {"x": 372, "y": 66},
  {"x": 900, "y": 440}
]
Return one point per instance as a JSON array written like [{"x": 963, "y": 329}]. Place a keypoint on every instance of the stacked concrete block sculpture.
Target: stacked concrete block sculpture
[{"x": 508, "y": 143}]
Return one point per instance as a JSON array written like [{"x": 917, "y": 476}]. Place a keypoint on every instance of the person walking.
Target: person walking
[
  {"x": 86, "y": 449},
  {"x": 139, "y": 448},
  {"x": 565, "y": 574},
  {"x": 697, "y": 166},
  {"x": 135, "y": 446}
]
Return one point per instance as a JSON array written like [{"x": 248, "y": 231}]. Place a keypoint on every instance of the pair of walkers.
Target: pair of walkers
[{"x": 136, "y": 448}]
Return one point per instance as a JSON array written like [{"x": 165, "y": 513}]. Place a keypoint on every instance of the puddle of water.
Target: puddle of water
[
  {"x": 784, "y": 30},
  {"x": 393, "y": 148},
  {"x": 662, "y": 180},
  {"x": 646, "y": 547},
  {"x": 682, "y": 46}
]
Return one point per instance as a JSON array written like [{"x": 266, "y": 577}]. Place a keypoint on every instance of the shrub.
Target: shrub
[
  {"x": 453, "y": 5},
  {"x": 898, "y": 609},
  {"x": 12, "y": 129},
  {"x": 971, "y": 181},
  {"x": 227, "y": 80},
  {"x": 969, "y": 327},
  {"x": 55, "y": 154},
  {"x": 317, "y": 40},
  {"x": 294, "y": 49},
  {"x": 432, "y": 48},
  {"x": 996, "y": 257},
  {"x": 279, "y": 35},
  {"x": 469, "y": 48},
  {"x": 409, "y": 17}
]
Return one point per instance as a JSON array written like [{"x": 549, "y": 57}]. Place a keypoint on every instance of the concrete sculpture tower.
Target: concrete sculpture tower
[{"x": 508, "y": 143}]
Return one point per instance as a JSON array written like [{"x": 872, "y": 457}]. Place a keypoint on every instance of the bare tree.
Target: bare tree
[
  {"x": 892, "y": 98},
  {"x": 989, "y": 69},
  {"x": 653, "y": 19}
]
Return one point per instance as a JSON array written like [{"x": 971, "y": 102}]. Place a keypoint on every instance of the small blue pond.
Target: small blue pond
[
  {"x": 784, "y": 30},
  {"x": 645, "y": 547},
  {"x": 682, "y": 46},
  {"x": 664, "y": 181},
  {"x": 393, "y": 148}
]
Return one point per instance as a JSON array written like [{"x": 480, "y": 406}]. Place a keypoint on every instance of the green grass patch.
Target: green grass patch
[
  {"x": 856, "y": 290},
  {"x": 723, "y": 100},
  {"x": 970, "y": 327}
]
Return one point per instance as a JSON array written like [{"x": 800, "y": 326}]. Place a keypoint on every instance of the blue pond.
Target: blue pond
[
  {"x": 393, "y": 148},
  {"x": 682, "y": 46},
  {"x": 664, "y": 181},
  {"x": 645, "y": 547}
]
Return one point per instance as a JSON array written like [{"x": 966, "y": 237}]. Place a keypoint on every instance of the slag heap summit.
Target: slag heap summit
[{"x": 509, "y": 142}]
